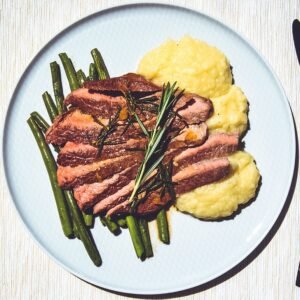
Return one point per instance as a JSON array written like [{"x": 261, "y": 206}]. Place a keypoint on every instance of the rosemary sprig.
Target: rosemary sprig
[
  {"x": 157, "y": 138},
  {"x": 106, "y": 131}
]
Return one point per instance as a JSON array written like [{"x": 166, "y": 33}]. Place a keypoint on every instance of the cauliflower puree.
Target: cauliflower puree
[
  {"x": 222, "y": 198},
  {"x": 196, "y": 66},
  {"x": 230, "y": 112},
  {"x": 202, "y": 69}
]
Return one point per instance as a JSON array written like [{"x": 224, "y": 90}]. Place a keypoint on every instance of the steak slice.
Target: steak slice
[
  {"x": 152, "y": 204},
  {"x": 89, "y": 194},
  {"x": 193, "y": 108},
  {"x": 73, "y": 154},
  {"x": 73, "y": 126},
  {"x": 70, "y": 177},
  {"x": 113, "y": 200},
  {"x": 129, "y": 82},
  {"x": 103, "y": 105},
  {"x": 95, "y": 103},
  {"x": 186, "y": 180},
  {"x": 216, "y": 145}
]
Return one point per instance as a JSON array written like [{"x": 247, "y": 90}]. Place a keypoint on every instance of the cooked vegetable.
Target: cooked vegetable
[
  {"x": 88, "y": 219},
  {"x": 111, "y": 225},
  {"x": 122, "y": 222},
  {"x": 57, "y": 86},
  {"x": 135, "y": 236},
  {"x": 99, "y": 64},
  {"x": 51, "y": 169},
  {"x": 80, "y": 77},
  {"x": 75, "y": 230},
  {"x": 83, "y": 231},
  {"x": 40, "y": 121},
  {"x": 50, "y": 106},
  {"x": 102, "y": 221},
  {"x": 144, "y": 229},
  {"x": 70, "y": 71},
  {"x": 162, "y": 226},
  {"x": 93, "y": 75}
]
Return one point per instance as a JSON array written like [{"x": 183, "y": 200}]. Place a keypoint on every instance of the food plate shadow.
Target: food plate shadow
[{"x": 243, "y": 263}]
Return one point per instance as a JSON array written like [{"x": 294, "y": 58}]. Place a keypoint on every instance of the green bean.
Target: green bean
[
  {"x": 162, "y": 225},
  {"x": 70, "y": 71},
  {"x": 42, "y": 124},
  {"x": 99, "y": 64},
  {"x": 75, "y": 230},
  {"x": 88, "y": 219},
  {"x": 112, "y": 226},
  {"x": 40, "y": 121},
  {"x": 83, "y": 231},
  {"x": 57, "y": 86},
  {"x": 144, "y": 229},
  {"x": 102, "y": 219},
  {"x": 122, "y": 222},
  {"x": 51, "y": 169},
  {"x": 135, "y": 236},
  {"x": 50, "y": 106},
  {"x": 80, "y": 77},
  {"x": 93, "y": 75}
]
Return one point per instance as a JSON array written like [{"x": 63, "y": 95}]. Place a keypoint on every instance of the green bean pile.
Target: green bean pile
[{"x": 75, "y": 223}]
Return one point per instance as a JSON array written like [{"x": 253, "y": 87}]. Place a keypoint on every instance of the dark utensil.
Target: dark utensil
[{"x": 296, "y": 36}]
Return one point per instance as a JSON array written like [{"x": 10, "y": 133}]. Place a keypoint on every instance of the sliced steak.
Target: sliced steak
[
  {"x": 199, "y": 174},
  {"x": 217, "y": 145},
  {"x": 99, "y": 105},
  {"x": 70, "y": 177},
  {"x": 73, "y": 126},
  {"x": 103, "y": 105},
  {"x": 152, "y": 204},
  {"x": 111, "y": 201},
  {"x": 191, "y": 136},
  {"x": 186, "y": 180},
  {"x": 129, "y": 82},
  {"x": 78, "y": 127},
  {"x": 193, "y": 108},
  {"x": 74, "y": 154},
  {"x": 88, "y": 194}
]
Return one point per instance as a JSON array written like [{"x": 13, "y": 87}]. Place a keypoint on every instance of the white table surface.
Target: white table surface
[{"x": 26, "y": 272}]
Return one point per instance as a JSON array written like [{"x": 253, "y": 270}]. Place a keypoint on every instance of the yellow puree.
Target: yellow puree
[{"x": 203, "y": 69}]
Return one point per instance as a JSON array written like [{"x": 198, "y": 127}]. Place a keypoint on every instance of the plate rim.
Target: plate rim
[{"x": 276, "y": 217}]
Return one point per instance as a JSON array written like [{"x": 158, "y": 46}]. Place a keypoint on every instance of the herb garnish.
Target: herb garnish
[
  {"x": 157, "y": 142},
  {"x": 106, "y": 131}
]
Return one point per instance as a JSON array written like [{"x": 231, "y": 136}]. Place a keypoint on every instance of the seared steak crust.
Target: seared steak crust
[{"x": 129, "y": 82}]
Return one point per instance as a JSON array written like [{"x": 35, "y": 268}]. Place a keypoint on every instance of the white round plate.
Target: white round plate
[{"x": 199, "y": 251}]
